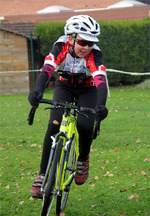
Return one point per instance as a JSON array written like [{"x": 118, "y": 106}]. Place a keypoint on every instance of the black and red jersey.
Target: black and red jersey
[{"x": 73, "y": 70}]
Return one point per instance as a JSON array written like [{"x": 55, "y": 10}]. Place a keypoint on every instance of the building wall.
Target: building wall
[{"x": 13, "y": 57}]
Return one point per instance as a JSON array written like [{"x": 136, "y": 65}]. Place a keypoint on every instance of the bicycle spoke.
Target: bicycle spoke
[{"x": 50, "y": 206}]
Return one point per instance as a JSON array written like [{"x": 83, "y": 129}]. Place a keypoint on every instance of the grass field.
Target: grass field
[{"x": 118, "y": 183}]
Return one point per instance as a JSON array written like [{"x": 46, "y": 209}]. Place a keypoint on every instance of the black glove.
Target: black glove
[
  {"x": 101, "y": 111},
  {"x": 34, "y": 97}
]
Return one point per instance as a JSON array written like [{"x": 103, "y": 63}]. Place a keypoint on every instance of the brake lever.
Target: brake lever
[
  {"x": 52, "y": 107},
  {"x": 80, "y": 113}
]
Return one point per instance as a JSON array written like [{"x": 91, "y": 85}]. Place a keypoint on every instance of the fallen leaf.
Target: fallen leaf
[
  {"x": 124, "y": 190},
  {"x": 21, "y": 202},
  {"x": 16, "y": 185},
  {"x": 140, "y": 189},
  {"x": 96, "y": 177},
  {"x": 103, "y": 168},
  {"x": 8, "y": 187},
  {"x": 127, "y": 108},
  {"x": 117, "y": 150},
  {"x": 138, "y": 140},
  {"x": 106, "y": 173},
  {"x": 134, "y": 196},
  {"x": 62, "y": 214},
  {"x": 142, "y": 172},
  {"x": 31, "y": 198},
  {"x": 110, "y": 175},
  {"x": 34, "y": 144}
]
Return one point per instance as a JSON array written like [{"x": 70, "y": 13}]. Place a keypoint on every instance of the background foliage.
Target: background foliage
[{"x": 124, "y": 45}]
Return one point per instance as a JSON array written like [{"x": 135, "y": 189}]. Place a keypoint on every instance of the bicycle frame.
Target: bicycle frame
[{"x": 67, "y": 131}]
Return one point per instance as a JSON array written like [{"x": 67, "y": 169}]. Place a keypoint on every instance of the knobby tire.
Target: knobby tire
[{"x": 50, "y": 190}]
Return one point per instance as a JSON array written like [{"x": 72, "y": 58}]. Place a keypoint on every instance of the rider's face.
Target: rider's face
[{"x": 83, "y": 49}]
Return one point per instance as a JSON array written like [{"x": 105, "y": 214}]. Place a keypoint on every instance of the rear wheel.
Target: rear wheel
[
  {"x": 50, "y": 190},
  {"x": 70, "y": 159}
]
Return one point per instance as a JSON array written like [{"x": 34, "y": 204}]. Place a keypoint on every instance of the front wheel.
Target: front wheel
[
  {"x": 50, "y": 190},
  {"x": 69, "y": 169}
]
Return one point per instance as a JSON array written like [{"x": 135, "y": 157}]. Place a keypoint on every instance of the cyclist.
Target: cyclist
[{"x": 82, "y": 75}]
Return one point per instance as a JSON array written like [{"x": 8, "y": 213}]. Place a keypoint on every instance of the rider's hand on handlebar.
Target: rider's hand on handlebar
[
  {"x": 101, "y": 111},
  {"x": 34, "y": 97}
]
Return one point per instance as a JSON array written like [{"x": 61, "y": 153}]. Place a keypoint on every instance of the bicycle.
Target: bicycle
[{"x": 63, "y": 156}]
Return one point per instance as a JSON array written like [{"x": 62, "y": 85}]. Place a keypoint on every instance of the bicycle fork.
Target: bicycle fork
[{"x": 53, "y": 147}]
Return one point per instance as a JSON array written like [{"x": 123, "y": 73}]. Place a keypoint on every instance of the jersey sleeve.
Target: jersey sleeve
[
  {"x": 57, "y": 54},
  {"x": 95, "y": 63}
]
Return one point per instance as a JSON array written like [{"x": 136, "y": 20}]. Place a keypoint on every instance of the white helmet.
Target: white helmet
[{"x": 83, "y": 25}]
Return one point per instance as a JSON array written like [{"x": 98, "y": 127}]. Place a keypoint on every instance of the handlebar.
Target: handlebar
[
  {"x": 67, "y": 105},
  {"x": 64, "y": 105}
]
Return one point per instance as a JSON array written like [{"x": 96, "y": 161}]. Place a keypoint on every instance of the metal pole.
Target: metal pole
[
  {"x": 148, "y": 27},
  {"x": 32, "y": 55},
  {"x": 39, "y": 51}
]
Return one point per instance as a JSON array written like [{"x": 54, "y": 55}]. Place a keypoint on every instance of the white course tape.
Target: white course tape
[
  {"x": 108, "y": 70},
  {"x": 130, "y": 73}
]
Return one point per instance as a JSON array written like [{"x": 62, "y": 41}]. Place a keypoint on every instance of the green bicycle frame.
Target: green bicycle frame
[{"x": 68, "y": 125}]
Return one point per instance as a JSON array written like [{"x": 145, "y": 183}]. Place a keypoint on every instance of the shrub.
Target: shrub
[{"x": 124, "y": 45}]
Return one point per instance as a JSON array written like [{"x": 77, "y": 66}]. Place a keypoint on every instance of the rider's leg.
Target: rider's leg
[{"x": 87, "y": 98}]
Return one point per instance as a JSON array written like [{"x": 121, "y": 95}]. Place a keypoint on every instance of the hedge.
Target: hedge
[{"x": 124, "y": 45}]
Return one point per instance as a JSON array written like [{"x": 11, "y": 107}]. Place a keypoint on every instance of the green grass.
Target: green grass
[{"x": 118, "y": 183}]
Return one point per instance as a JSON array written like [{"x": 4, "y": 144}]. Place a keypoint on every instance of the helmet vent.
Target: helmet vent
[
  {"x": 93, "y": 32},
  {"x": 86, "y": 25},
  {"x": 76, "y": 25},
  {"x": 91, "y": 21},
  {"x": 83, "y": 29}
]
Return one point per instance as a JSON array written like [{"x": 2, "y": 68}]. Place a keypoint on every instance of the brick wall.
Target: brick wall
[{"x": 13, "y": 57}]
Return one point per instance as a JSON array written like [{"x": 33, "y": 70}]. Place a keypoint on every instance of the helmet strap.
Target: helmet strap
[{"x": 73, "y": 47}]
